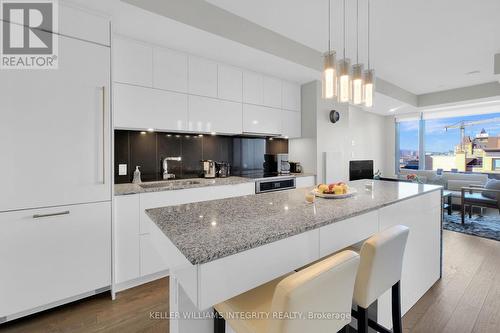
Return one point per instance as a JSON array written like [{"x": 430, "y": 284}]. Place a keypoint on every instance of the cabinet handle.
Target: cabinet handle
[
  {"x": 37, "y": 216},
  {"x": 103, "y": 89}
]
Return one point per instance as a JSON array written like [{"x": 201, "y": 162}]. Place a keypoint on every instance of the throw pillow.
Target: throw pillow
[{"x": 492, "y": 184}]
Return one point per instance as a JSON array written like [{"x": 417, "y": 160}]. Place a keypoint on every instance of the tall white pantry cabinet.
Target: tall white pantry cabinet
[{"x": 55, "y": 198}]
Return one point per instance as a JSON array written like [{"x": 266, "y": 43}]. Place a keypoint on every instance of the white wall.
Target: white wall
[
  {"x": 357, "y": 135},
  {"x": 303, "y": 149}
]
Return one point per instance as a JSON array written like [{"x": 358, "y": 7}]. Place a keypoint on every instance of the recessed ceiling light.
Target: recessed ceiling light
[
  {"x": 213, "y": 133},
  {"x": 143, "y": 132},
  {"x": 151, "y": 130}
]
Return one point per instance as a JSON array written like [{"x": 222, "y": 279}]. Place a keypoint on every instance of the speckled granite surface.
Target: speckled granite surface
[
  {"x": 169, "y": 185},
  {"x": 179, "y": 184},
  {"x": 206, "y": 231}
]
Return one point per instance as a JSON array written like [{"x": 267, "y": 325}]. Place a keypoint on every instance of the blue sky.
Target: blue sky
[{"x": 439, "y": 140}]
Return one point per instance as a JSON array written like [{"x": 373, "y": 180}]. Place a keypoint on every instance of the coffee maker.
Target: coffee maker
[
  {"x": 282, "y": 163},
  {"x": 208, "y": 168}
]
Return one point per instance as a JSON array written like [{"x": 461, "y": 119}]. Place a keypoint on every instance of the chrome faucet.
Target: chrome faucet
[{"x": 167, "y": 175}]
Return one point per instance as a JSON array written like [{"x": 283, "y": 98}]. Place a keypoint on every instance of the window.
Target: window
[
  {"x": 469, "y": 143},
  {"x": 496, "y": 164},
  {"x": 408, "y": 139}
]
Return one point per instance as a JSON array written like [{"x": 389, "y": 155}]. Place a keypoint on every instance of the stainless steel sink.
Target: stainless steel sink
[{"x": 170, "y": 184}]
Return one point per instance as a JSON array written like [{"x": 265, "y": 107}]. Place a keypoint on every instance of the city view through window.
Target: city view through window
[{"x": 463, "y": 144}]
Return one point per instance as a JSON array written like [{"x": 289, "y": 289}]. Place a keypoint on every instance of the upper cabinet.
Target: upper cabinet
[
  {"x": 132, "y": 62},
  {"x": 214, "y": 115},
  {"x": 261, "y": 120},
  {"x": 291, "y": 96},
  {"x": 230, "y": 81},
  {"x": 253, "y": 88},
  {"x": 202, "y": 95},
  {"x": 202, "y": 77},
  {"x": 170, "y": 70},
  {"x": 271, "y": 92},
  {"x": 141, "y": 108}
]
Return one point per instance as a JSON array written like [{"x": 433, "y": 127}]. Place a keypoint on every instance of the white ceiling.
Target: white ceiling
[{"x": 422, "y": 46}]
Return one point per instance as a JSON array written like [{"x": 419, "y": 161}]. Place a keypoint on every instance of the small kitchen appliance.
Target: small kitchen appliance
[
  {"x": 209, "y": 169},
  {"x": 282, "y": 163}
]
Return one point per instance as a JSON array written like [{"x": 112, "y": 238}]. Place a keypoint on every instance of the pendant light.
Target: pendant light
[
  {"x": 343, "y": 68},
  {"x": 329, "y": 70},
  {"x": 356, "y": 97},
  {"x": 369, "y": 74}
]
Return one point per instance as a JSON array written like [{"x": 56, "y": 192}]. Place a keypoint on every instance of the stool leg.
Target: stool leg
[
  {"x": 397, "y": 326},
  {"x": 219, "y": 323},
  {"x": 362, "y": 320}
]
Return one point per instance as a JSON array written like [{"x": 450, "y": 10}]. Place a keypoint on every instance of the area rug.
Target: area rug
[{"x": 481, "y": 226}]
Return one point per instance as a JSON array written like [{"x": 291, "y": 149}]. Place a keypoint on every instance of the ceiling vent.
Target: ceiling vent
[{"x": 497, "y": 63}]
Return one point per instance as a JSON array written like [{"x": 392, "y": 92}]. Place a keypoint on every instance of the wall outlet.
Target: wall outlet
[{"x": 122, "y": 169}]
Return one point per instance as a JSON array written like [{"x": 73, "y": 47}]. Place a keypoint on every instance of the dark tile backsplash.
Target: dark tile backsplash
[{"x": 245, "y": 154}]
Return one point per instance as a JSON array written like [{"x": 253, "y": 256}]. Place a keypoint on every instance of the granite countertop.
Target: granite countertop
[
  {"x": 177, "y": 184},
  {"x": 180, "y": 184},
  {"x": 206, "y": 231}
]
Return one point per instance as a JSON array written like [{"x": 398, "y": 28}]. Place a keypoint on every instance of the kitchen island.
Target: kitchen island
[{"x": 222, "y": 248}]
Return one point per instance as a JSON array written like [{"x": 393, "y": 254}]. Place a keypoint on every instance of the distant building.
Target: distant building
[{"x": 476, "y": 154}]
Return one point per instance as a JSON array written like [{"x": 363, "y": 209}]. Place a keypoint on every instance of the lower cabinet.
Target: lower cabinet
[
  {"x": 305, "y": 181},
  {"x": 52, "y": 256},
  {"x": 136, "y": 259}
]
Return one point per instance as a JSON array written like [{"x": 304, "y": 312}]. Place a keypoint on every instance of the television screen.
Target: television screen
[{"x": 361, "y": 170}]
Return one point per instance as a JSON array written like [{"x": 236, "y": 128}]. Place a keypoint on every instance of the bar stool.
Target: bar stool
[
  {"x": 324, "y": 288},
  {"x": 380, "y": 269}
]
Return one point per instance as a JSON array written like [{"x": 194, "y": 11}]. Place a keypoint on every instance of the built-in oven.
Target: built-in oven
[{"x": 274, "y": 184}]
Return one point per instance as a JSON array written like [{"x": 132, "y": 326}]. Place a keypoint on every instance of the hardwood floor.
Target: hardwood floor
[
  {"x": 129, "y": 313},
  {"x": 466, "y": 299}
]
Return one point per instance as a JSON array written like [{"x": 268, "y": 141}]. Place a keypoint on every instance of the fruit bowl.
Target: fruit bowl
[{"x": 350, "y": 192}]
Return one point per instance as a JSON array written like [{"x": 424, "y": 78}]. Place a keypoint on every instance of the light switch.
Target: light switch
[{"x": 122, "y": 169}]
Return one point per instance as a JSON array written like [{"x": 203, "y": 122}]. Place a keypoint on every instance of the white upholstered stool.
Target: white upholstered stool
[
  {"x": 324, "y": 288},
  {"x": 380, "y": 269}
]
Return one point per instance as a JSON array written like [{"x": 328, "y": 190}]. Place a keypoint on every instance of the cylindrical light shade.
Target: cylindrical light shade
[
  {"x": 343, "y": 68},
  {"x": 369, "y": 87},
  {"x": 357, "y": 84},
  {"x": 329, "y": 75}
]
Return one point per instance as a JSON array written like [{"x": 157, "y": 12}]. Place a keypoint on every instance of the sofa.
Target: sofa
[{"x": 452, "y": 182}]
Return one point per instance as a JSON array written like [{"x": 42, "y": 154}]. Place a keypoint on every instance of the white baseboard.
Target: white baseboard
[{"x": 137, "y": 282}]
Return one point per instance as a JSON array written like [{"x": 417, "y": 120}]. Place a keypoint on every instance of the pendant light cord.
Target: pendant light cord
[
  {"x": 357, "y": 31},
  {"x": 368, "y": 34},
  {"x": 344, "y": 28},
  {"x": 329, "y": 22}
]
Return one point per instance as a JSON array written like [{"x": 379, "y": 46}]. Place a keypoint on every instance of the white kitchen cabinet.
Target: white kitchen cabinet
[
  {"x": 142, "y": 108},
  {"x": 151, "y": 261},
  {"x": 202, "y": 77},
  {"x": 127, "y": 244},
  {"x": 170, "y": 70},
  {"x": 261, "y": 120},
  {"x": 305, "y": 181},
  {"x": 214, "y": 115},
  {"x": 132, "y": 62},
  {"x": 291, "y": 96},
  {"x": 56, "y": 258},
  {"x": 55, "y": 130},
  {"x": 291, "y": 124},
  {"x": 271, "y": 92},
  {"x": 230, "y": 83},
  {"x": 253, "y": 88}
]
